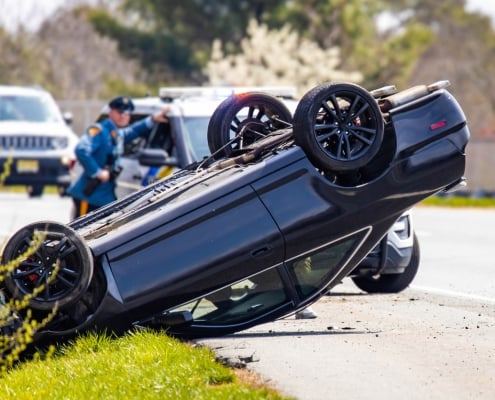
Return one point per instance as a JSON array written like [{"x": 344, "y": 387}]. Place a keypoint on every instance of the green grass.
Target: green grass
[
  {"x": 441, "y": 201},
  {"x": 144, "y": 364},
  {"x": 459, "y": 201}
]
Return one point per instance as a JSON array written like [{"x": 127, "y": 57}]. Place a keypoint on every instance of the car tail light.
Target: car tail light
[{"x": 438, "y": 125}]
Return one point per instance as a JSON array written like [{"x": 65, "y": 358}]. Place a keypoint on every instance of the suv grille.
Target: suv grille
[{"x": 27, "y": 143}]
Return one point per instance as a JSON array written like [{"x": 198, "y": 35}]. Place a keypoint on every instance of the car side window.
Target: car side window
[
  {"x": 131, "y": 149},
  {"x": 254, "y": 296},
  {"x": 312, "y": 270},
  {"x": 161, "y": 138}
]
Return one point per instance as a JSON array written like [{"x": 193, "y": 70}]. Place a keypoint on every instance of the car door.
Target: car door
[
  {"x": 172, "y": 255},
  {"x": 319, "y": 239},
  {"x": 135, "y": 175}
]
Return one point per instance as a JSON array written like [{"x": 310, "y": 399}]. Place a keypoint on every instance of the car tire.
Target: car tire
[
  {"x": 339, "y": 126},
  {"x": 62, "y": 191},
  {"x": 61, "y": 247},
  {"x": 391, "y": 283},
  {"x": 35, "y": 190},
  {"x": 242, "y": 119}
]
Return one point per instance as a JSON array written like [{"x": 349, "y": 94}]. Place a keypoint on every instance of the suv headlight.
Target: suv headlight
[
  {"x": 60, "y": 142},
  {"x": 401, "y": 227}
]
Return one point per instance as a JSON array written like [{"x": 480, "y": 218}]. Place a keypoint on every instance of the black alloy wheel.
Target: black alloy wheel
[
  {"x": 54, "y": 265},
  {"x": 339, "y": 126},
  {"x": 242, "y": 119}
]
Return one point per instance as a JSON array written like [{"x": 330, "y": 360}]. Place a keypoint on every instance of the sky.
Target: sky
[
  {"x": 483, "y": 6},
  {"x": 32, "y": 12}
]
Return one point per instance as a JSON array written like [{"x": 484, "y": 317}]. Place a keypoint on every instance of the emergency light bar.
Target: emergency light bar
[{"x": 171, "y": 93}]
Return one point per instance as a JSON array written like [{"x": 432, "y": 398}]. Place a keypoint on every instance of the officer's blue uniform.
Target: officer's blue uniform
[{"x": 101, "y": 143}]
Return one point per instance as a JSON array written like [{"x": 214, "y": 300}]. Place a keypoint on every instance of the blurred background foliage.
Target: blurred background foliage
[{"x": 94, "y": 49}]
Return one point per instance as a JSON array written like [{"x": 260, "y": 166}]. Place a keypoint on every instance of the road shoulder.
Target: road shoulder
[{"x": 413, "y": 345}]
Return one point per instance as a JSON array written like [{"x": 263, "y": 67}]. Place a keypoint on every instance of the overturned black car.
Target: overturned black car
[{"x": 279, "y": 214}]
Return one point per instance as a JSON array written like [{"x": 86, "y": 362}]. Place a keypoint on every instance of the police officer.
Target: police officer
[{"x": 98, "y": 152}]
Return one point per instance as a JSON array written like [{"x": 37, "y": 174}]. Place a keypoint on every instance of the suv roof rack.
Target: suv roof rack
[{"x": 182, "y": 92}]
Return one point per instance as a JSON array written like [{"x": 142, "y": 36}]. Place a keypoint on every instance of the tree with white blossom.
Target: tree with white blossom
[{"x": 276, "y": 57}]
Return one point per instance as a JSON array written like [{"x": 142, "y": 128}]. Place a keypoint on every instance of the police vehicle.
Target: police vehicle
[{"x": 183, "y": 140}]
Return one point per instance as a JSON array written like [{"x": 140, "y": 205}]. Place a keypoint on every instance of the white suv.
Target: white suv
[
  {"x": 183, "y": 140},
  {"x": 36, "y": 142}
]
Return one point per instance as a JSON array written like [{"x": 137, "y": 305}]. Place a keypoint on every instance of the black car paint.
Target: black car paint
[{"x": 213, "y": 228}]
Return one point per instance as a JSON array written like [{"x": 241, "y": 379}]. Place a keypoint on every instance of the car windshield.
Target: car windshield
[
  {"x": 28, "y": 108},
  {"x": 197, "y": 128}
]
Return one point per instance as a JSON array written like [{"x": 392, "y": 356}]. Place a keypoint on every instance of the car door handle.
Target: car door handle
[{"x": 262, "y": 251}]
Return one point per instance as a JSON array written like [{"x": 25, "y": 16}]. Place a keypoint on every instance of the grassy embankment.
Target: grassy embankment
[
  {"x": 140, "y": 365},
  {"x": 459, "y": 201},
  {"x": 441, "y": 201}
]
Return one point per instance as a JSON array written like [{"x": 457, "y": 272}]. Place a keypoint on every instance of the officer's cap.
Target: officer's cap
[{"x": 122, "y": 104}]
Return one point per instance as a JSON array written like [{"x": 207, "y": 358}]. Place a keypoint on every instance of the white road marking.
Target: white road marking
[{"x": 453, "y": 293}]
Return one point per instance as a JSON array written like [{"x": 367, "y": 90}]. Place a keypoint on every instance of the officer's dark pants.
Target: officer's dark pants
[{"x": 82, "y": 207}]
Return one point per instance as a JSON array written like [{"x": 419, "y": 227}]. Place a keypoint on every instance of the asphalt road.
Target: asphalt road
[
  {"x": 17, "y": 210},
  {"x": 457, "y": 251},
  {"x": 435, "y": 340}
]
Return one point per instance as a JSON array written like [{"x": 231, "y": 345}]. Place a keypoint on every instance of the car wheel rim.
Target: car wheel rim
[
  {"x": 343, "y": 127},
  {"x": 54, "y": 268}
]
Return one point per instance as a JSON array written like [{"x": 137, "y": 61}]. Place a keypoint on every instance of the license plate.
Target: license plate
[{"x": 27, "y": 166}]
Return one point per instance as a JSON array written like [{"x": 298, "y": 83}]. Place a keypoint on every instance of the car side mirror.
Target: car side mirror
[
  {"x": 68, "y": 117},
  {"x": 156, "y": 158}
]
